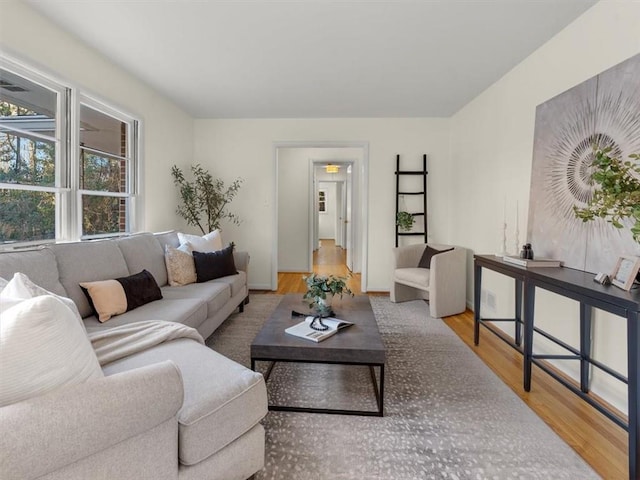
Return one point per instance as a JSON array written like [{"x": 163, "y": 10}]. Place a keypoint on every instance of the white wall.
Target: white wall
[
  {"x": 34, "y": 40},
  {"x": 244, "y": 147},
  {"x": 293, "y": 211},
  {"x": 491, "y": 152}
]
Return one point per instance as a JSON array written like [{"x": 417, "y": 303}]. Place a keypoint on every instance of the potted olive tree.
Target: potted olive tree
[{"x": 204, "y": 199}]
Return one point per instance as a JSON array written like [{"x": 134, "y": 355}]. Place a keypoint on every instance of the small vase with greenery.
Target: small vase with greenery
[
  {"x": 404, "y": 220},
  {"x": 205, "y": 199},
  {"x": 320, "y": 293},
  {"x": 618, "y": 194}
]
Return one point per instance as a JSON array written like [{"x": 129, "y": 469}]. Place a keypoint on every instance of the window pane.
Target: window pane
[
  {"x": 102, "y": 132},
  {"x": 102, "y": 173},
  {"x": 26, "y": 216},
  {"x": 103, "y": 215},
  {"x": 26, "y": 161},
  {"x": 26, "y": 105}
]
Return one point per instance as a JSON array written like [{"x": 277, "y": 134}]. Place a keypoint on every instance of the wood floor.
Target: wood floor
[
  {"x": 327, "y": 260},
  {"x": 599, "y": 441}
]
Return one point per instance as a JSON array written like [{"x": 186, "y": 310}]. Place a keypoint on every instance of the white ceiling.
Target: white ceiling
[{"x": 316, "y": 58}]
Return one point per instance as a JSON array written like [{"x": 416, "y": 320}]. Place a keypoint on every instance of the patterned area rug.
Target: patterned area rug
[{"x": 447, "y": 415}]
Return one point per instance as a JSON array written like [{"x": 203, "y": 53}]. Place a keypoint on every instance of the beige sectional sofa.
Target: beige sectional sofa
[{"x": 175, "y": 410}]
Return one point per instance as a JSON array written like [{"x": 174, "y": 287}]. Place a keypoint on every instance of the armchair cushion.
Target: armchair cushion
[
  {"x": 429, "y": 252},
  {"x": 416, "y": 277}
]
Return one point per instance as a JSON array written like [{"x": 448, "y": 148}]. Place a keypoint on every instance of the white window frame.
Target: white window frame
[
  {"x": 131, "y": 157},
  {"x": 68, "y": 196}
]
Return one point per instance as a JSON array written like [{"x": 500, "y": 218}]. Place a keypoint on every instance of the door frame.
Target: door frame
[{"x": 362, "y": 215}]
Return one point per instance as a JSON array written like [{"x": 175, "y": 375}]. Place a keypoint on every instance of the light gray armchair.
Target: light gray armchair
[{"x": 443, "y": 285}]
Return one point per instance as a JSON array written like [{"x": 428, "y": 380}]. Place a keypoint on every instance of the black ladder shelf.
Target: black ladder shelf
[{"x": 399, "y": 194}]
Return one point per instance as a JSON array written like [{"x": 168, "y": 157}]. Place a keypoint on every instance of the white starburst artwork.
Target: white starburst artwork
[{"x": 603, "y": 111}]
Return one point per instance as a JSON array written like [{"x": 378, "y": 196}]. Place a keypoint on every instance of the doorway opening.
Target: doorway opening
[
  {"x": 321, "y": 217},
  {"x": 333, "y": 220}
]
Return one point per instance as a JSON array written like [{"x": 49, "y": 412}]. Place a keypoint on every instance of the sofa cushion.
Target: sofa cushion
[
  {"x": 39, "y": 265},
  {"x": 237, "y": 282},
  {"x": 220, "y": 396},
  {"x": 189, "y": 311},
  {"x": 168, "y": 238},
  {"x": 213, "y": 295},
  {"x": 211, "y": 265},
  {"x": 88, "y": 262},
  {"x": 144, "y": 252},
  {"x": 210, "y": 242},
  {"x": 43, "y": 347},
  {"x": 113, "y": 297}
]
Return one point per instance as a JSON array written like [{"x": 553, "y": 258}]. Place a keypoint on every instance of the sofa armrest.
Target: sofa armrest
[
  {"x": 407, "y": 256},
  {"x": 241, "y": 260},
  {"x": 46, "y": 433},
  {"x": 448, "y": 283}
]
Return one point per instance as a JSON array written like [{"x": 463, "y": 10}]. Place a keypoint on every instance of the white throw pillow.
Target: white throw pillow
[
  {"x": 20, "y": 288},
  {"x": 3, "y": 283},
  {"x": 42, "y": 348},
  {"x": 211, "y": 242},
  {"x": 181, "y": 269}
]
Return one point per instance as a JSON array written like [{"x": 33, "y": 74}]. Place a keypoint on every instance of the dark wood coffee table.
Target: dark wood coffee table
[{"x": 359, "y": 344}]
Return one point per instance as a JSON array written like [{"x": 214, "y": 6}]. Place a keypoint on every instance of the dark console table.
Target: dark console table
[{"x": 579, "y": 286}]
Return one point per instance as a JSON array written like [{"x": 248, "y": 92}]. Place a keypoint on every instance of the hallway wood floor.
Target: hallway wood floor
[
  {"x": 598, "y": 440},
  {"x": 327, "y": 260}
]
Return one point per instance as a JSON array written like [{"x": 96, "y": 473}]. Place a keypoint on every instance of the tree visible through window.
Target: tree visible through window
[
  {"x": 27, "y": 160},
  {"x": 38, "y": 182},
  {"x": 105, "y": 160}
]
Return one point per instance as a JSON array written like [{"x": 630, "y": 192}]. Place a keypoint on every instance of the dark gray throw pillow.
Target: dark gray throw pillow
[
  {"x": 210, "y": 265},
  {"x": 427, "y": 255}
]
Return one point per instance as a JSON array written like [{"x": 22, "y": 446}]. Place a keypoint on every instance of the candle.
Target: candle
[{"x": 517, "y": 232}]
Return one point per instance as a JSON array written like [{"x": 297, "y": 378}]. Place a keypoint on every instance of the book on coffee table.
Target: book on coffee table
[{"x": 304, "y": 330}]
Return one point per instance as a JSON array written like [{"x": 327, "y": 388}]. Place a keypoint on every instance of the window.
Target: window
[
  {"x": 50, "y": 186},
  {"x": 107, "y": 162},
  {"x": 30, "y": 147}
]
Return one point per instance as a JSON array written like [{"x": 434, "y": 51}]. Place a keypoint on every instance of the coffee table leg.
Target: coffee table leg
[
  {"x": 378, "y": 390},
  {"x": 269, "y": 370},
  {"x": 382, "y": 390}
]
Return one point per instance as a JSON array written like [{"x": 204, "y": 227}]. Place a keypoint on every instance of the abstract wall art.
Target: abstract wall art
[{"x": 604, "y": 111}]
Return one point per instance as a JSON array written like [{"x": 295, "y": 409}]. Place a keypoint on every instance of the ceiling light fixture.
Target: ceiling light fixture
[{"x": 332, "y": 168}]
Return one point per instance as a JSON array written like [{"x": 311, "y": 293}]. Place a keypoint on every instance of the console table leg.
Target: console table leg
[
  {"x": 529, "y": 304},
  {"x": 477, "y": 291},
  {"x": 585, "y": 345},
  {"x": 633, "y": 365},
  {"x": 518, "y": 313}
]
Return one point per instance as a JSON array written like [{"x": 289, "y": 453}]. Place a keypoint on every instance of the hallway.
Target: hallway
[{"x": 327, "y": 260}]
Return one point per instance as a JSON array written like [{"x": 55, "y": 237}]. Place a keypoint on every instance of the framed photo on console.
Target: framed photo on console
[{"x": 625, "y": 272}]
